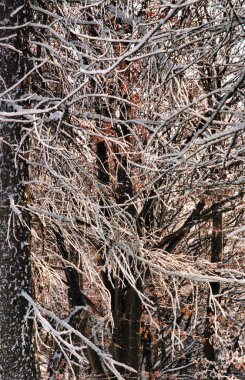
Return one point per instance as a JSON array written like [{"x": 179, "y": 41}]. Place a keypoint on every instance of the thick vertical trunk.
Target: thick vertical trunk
[
  {"x": 127, "y": 312},
  {"x": 16, "y": 352}
]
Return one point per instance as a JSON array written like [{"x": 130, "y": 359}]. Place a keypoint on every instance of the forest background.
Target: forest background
[{"x": 122, "y": 189}]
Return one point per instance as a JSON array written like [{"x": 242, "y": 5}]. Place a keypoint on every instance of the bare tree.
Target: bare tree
[{"x": 135, "y": 146}]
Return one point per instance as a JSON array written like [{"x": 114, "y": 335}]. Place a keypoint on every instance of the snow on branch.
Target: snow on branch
[{"x": 40, "y": 313}]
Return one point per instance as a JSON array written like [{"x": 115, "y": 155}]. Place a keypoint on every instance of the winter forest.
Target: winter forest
[{"x": 122, "y": 172}]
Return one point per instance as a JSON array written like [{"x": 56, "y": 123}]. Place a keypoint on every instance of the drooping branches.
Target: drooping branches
[{"x": 135, "y": 119}]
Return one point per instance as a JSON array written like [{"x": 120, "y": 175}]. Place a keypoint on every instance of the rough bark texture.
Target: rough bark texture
[{"x": 16, "y": 352}]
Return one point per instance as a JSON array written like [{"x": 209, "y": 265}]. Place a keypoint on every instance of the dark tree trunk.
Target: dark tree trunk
[
  {"x": 80, "y": 320},
  {"x": 127, "y": 311},
  {"x": 16, "y": 353},
  {"x": 125, "y": 303},
  {"x": 216, "y": 256}
]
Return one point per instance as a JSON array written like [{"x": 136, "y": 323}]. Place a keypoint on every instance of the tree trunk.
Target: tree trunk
[
  {"x": 125, "y": 303},
  {"x": 16, "y": 353},
  {"x": 216, "y": 256}
]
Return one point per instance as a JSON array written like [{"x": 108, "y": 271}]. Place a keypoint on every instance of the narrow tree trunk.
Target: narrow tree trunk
[
  {"x": 16, "y": 352},
  {"x": 216, "y": 256},
  {"x": 126, "y": 304}
]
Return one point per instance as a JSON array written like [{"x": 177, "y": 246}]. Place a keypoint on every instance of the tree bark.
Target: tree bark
[{"x": 17, "y": 360}]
